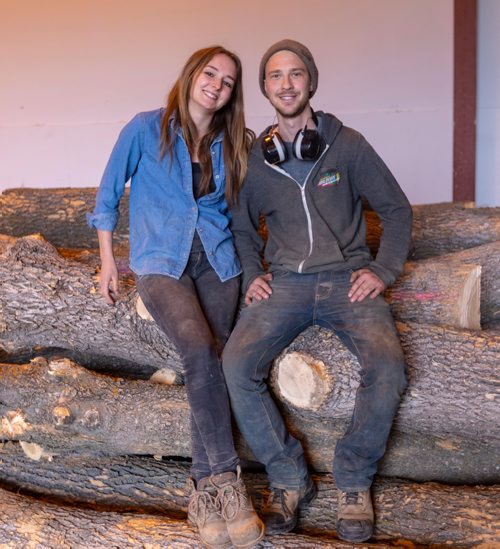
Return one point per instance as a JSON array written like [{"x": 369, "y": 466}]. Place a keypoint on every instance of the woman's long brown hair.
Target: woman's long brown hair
[{"x": 229, "y": 119}]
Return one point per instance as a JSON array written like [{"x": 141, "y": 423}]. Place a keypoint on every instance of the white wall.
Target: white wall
[
  {"x": 73, "y": 72},
  {"x": 488, "y": 104}
]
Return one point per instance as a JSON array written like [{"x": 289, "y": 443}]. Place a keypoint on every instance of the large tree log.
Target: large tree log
[
  {"x": 59, "y": 214},
  {"x": 453, "y": 380},
  {"x": 441, "y": 290},
  {"x": 63, "y": 408},
  {"x": 47, "y": 301},
  {"x": 26, "y": 522},
  {"x": 438, "y": 292},
  {"x": 488, "y": 256},
  {"x": 60, "y": 405},
  {"x": 423, "y": 513},
  {"x": 443, "y": 228}
]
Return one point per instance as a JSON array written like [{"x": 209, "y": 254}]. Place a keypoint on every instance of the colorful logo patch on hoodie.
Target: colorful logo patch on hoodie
[{"x": 329, "y": 178}]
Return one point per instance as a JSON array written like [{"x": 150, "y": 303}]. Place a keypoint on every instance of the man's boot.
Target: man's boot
[
  {"x": 205, "y": 515},
  {"x": 355, "y": 516},
  {"x": 282, "y": 507},
  {"x": 243, "y": 524}
]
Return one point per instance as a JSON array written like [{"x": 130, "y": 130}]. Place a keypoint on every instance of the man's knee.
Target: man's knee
[
  {"x": 232, "y": 363},
  {"x": 242, "y": 365},
  {"x": 392, "y": 371}
]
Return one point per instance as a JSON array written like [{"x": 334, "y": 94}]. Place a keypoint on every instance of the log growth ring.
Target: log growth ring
[{"x": 303, "y": 380}]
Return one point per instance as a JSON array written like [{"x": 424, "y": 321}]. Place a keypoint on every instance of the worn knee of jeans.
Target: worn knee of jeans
[
  {"x": 242, "y": 373},
  {"x": 384, "y": 363},
  {"x": 202, "y": 368}
]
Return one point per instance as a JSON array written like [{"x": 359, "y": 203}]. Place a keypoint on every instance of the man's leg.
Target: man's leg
[
  {"x": 367, "y": 329},
  {"x": 263, "y": 330}
]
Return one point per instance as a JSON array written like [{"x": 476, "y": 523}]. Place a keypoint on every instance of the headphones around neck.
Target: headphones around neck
[{"x": 306, "y": 145}]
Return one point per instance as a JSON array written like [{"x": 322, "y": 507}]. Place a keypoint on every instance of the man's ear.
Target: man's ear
[{"x": 265, "y": 88}]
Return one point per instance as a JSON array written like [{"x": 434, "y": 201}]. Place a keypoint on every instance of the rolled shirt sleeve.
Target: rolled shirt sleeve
[{"x": 121, "y": 166}]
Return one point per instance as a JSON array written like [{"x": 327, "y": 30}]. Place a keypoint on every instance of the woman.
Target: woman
[{"x": 186, "y": 163}]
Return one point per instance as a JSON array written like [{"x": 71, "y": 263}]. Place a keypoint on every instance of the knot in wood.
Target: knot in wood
[
  {"x": 62, "y": 415},
  {"x": 14, "y": 424},
  {"x": 62, "y": 367},
  {"x": 91, "y": 418}
]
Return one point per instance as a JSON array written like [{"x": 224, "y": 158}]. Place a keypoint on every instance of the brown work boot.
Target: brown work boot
[
  {"x": 355, "y": 516},
  {"x": 243, "y": 524},
  {"x": 281, "y": 510},
  {"x": 205, "y": 515}
]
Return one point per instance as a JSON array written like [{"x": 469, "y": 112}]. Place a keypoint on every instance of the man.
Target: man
[{"x": 307, "y": 176}]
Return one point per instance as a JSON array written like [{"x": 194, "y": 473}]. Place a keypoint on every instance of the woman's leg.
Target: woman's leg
[{"x": 175, "y": 306}]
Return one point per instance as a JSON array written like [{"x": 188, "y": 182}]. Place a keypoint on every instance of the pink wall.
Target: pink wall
[{"x": 73, "y": 72}]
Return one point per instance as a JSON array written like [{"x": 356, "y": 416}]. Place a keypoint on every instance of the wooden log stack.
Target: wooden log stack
[{"x": 74, "y": 435}]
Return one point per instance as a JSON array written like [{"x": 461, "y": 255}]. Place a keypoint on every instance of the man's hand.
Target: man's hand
[
  {"x": 259, "y": 289},
  {"x": 365, "y": 283},
  {"x": 108, "y": 281}
]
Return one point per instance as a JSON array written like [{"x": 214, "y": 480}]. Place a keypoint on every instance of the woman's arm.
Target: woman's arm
[{"x": 108, "y": 279}]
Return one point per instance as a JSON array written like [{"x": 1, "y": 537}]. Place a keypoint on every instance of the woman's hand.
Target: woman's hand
[{"x": 108, "y": 281}]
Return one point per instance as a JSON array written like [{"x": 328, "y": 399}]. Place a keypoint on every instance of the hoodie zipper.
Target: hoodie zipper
[{"x": 304, "y": 202}]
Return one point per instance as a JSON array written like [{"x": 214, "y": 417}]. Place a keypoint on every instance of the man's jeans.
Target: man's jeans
[
  {"x": 266, "y": 327},
  {"x": 197, "y": 313}
]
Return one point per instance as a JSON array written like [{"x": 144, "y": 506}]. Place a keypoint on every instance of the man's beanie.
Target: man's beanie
[{"x": 298, "y": 49}]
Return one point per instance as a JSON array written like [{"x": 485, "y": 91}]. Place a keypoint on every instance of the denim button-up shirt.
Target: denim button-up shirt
[{"x": 163, "y": 211}]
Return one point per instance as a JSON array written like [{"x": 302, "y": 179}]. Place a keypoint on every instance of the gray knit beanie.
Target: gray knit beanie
[{"x": 298, "y": 49}]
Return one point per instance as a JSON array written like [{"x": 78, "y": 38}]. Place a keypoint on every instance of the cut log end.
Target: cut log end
[
  {"x": 302, "y": 380},
  {"x": 469, "y": 313},
  {"x": 142, "y": 311},
  {"x": 164, "y": 376}
]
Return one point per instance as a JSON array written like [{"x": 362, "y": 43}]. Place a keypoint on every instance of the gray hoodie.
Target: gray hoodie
[{"x": 320, "y": 225}]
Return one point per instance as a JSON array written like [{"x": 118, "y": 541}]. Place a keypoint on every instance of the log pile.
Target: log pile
[
  {"x": 78, "y": 431},
  {"x": 441, "y": 514}
]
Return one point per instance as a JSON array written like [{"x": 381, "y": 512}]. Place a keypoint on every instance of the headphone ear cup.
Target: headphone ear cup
[
  {"x": 306, "y": 145},
  {"x": 273, "y": 148}
]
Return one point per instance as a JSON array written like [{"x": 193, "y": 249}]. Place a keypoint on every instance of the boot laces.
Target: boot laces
[
  {"x": 231, "y": 499},
  {"x": 351, "y": 498},
  {"x": 277, "y": 502},
  {"x": 201, "y": 505}
]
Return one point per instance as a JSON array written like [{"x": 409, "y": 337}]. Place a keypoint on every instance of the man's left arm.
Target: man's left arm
[{"x": 375, "y": 182}]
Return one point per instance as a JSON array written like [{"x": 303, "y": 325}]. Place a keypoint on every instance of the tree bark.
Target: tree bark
[
  {"x": 26, "y": 522},
  {"x": 488, "y": 256},
  {"x": 438, "y": 292},
  {"x": 47, "y": 301},
  {"x": 59, "y": 214},
  {"x": 453, "y": 384},
  {"x": 61, "y": 406},
  {"x": 423, "y": 513},
  {"x": 443, "y": 228},
  {"x": 62, "y": 409}
]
